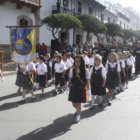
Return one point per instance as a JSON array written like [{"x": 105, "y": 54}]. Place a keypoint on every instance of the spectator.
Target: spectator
[{"x": 43, "y": 49}]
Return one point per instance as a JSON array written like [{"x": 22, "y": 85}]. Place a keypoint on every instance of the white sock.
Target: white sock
[
  {"x": 100, "y": 99},
  {"x": 93, "y": 100},
  {"x": 23, "y": 98},
  {"x": 78, "y": 117},
  {"x": 37, "y": 85}
]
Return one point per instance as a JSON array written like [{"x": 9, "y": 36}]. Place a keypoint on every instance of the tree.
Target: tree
[
  {"x": 100, "y": 29},
  {"x": 89, "y": 22},
  {"x": 113, "y": 30},
  {"x": 58, "y": 23}
]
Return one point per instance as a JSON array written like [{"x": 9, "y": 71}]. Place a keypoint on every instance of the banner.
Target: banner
[{"x": 23, "y": 45}]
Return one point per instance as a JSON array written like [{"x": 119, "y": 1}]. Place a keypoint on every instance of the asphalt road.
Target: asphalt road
[{"x": 51, "y": 117}]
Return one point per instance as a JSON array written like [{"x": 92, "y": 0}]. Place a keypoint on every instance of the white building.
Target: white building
[
  {"x": 16, "y": 13},
  {"x": 74, "y": 7},
  {"x": 123, "y": 16},
  {"x": 134, "y": 18}
]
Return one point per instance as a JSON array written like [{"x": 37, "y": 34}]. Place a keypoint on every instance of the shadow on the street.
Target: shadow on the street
[
  {"x": 11, "y": 105},
  {"x": 10, "y": 96},
  {"x": 59, "y": 127}
]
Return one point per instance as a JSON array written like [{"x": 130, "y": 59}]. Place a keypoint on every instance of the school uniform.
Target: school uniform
[
  {"x": 122, "y": 66},
  {"x": 128, "y": 69},
  {"x": 49, "y": 67},
  {"x": 91, "y": 60},
  {"x": 19, "y": 79},
  {"x": 41, "y": 71},
  {"x": 68, "y": 66},
  {"x": 59, "y": 69},
  {"x": 97, "y": 74},
  {"x": 53, "y": 65},
  {"x": 77, "y": 92},
  {"x": 28, "y": 76},
  {"x": 112, "y": 75},
  {"x": 71, "y": 61},
  {"x": 87, "y": 63}
]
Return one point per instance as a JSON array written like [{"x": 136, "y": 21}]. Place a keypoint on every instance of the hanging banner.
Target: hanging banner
[{"x": 23, "y": 45}]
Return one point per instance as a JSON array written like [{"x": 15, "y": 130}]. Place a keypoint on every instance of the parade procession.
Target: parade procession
[{"x": 69, "y": 70}]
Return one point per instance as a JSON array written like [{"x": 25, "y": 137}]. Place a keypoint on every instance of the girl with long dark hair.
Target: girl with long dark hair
[{"x": 78, "y": 83}]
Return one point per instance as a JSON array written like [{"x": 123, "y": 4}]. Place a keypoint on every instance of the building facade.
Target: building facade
[
  {"x": 73, "y": 7},
  {"x": 16, "y": 13},
  {"x": 123, "y": 18}
]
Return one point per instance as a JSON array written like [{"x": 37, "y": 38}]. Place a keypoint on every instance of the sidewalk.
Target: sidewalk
[{"x": 9, "y": 69}]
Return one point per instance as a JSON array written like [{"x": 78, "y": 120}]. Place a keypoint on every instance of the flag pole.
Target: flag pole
[{"x": 36, "y": 26}]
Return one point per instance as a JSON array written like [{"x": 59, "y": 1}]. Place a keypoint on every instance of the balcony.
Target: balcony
[
  {"x": 62, "y": 9},
  {"x": 32, "y": 2}
]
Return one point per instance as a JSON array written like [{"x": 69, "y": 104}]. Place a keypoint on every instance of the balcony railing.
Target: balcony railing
[
  {"x": 33, "y": 2},
  {"x": 61, "y": 9}
]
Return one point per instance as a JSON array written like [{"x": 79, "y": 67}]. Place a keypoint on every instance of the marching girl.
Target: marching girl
[
  {"x": 79, "y": 79},
  {"x": 53, "y": 63},
  {"x": 97, "y": 81},
  {"x": 122, "y": 73},
  {"x": 28, "y": 72},
  {"x": 131, "y": 66},
  {"x": 19, "y": 79},
  {"x": 91, "y": 60},
  {"x": 68, "y": 66},
  {"x": 60, "y": 70},
  {"x": 36, "y": 84},
  {"x": 49, "y": 66},
  {"x": 70, "y": 59},
  {"x": 42, "y": 74},
  {"x": 128, "y": 65},
  {"x": 113, "y": 75}
]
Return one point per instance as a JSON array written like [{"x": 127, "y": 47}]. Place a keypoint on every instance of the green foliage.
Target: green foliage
[
  {"x": 101, "y": 29},
  {"x": 114, "y": 29},
  {"x": 89, "y": 22},
  {"x": 129, "y": 33},
  {"x": 63, "y": 21}
]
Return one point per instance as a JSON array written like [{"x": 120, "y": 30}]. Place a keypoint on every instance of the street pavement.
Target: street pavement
[{"x": 51, "y": 117}]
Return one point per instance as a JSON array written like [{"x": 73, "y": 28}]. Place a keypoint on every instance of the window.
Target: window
[
  {"x": 79, "y": 7},
  {"x": 65, "y": 3},
  {"x": 120, "y": 23},
  {"x": 108, "y": 19},
  {"x": 90, "y": 10},
  {"x": 124, "y": 26},
  {"x": 24, "y": 23},
  {"x": 102, "y": 18}
]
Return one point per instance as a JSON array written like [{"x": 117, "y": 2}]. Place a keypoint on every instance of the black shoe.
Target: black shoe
[
  {"x": 77, "y": 120},
  {"x": 61, "y": 91},
  {"x": 100, "y": 105},
  {"x": 109, "y": 102},
  {"x": 19, "y": 90}
]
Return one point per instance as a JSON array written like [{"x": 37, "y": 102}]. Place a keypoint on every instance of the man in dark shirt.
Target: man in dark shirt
[
  {"x": 113, "y": 48},
  {"x": 96, "y": 48}
]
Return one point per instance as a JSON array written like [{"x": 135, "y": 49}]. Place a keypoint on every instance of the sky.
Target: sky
[{"x": 135, "y": 4}]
